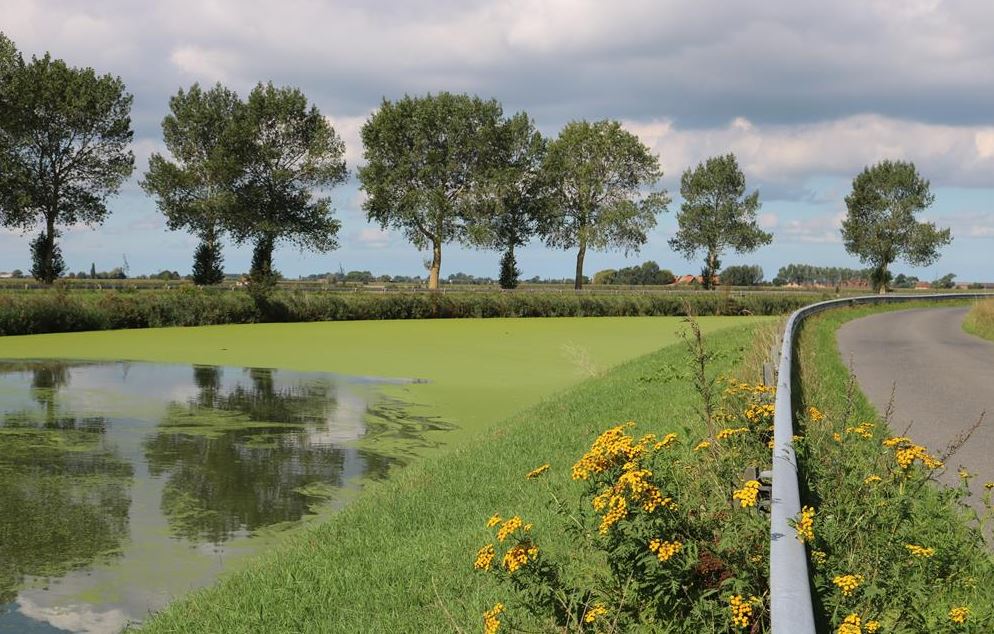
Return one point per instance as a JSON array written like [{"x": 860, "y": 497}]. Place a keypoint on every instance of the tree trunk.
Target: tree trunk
[
  {"x": 49, "y": 244},
  {"x": 578, "y": 282},
  {"x": 710, "y": 270},
  {"x": 436, "y": 265}
]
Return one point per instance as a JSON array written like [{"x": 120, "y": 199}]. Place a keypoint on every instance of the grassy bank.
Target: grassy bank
[
  {"x": 478, "y": 370},
  {"x": 400, "y": 558},
  {"x": 980, "y": 320},
  {"x": 60, "y": 310},
  {"x": 890, "y": 546}
]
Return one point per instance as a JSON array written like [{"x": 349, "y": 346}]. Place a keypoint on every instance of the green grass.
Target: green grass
[
  {"x": 480, "y": 370},
  {"x": 399, "y": 558},
  {"x": 980, "y": 320},
  {"x": 863, "y": 528}
]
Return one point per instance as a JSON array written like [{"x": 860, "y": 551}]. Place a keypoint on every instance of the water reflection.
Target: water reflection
[{"x": 122, "y": 485}]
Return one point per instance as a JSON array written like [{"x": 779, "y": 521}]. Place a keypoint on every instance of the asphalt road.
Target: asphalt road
[{"x": 943, "y": 379}]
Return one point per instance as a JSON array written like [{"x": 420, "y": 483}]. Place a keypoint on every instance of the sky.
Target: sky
[{"x": 806, "y": 94}]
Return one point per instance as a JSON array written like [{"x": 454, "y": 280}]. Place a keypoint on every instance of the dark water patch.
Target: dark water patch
[{"x": 123, "y": 485}]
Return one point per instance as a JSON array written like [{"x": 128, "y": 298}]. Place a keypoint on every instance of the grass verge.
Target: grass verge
[
  {"x": 891, "y": 549},
  {"x": 400, "y": 558},
  {"x": 980, "y": 320}
]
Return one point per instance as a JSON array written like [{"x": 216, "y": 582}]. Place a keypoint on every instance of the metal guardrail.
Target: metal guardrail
[{"x": 791, "y": 608}]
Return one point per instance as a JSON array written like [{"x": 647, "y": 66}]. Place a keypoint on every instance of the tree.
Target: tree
[
  {"x": 945, "y": 282},
  {"x": 594, "y": 175},
  {"x": 196, "y": 192},
  {"x": 284, "y": 150},
  {"x": 716, "y": 214},
  {"x": 65, "y": 134},
  {"x": 512, "y": 194},
  {"x": 427, "y": 163},
  {"x": 742, "y": 275},
  {"x": 881, "y": 228}
]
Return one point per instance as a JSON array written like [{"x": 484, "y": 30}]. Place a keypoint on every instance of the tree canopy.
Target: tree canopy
[
  {"x": 65, "y": 136},
  {"x": 284, "y": 149},
  {"x": 881, "y": 228},
  {"x": 428, "y": 160},
  {"x": 742, "y": 275},
  {"x": 595, "y": 176},
  {"x": 717, "y": 214},
  {"x": 195, "y": 192}
]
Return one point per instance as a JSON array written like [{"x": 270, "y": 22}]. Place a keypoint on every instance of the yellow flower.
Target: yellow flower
[
  {"x": 484, "y": 557},
  {"x": 989, "y": 485},
  {"x": 731, "y": 431},
  {"x": 872, "y": 479},
  {"x": 598, "y": 610},
  {"x": 704, "y": 444},
  {"x": 920, "y": 551},
  {"x": 612, "y": 448},
  {"x": 895, "y": 441},
  {"x": 665, "y": 549},
  {"x": 508, "y": 527},
  {"x": 848, "y": 583},
  {"x": 959, "y": 615},
  {"x": 814, "y": 415},
  {"x": 519, "y": 555},
  {"x": 747, "y": 494},
  {"x": 617, "y": 510},
  {"x": 864, "y": 430},
  {"x": 667, "y": 440},
  {"x": 906, "y": 455},
  {"x": 852, "y": 624},
  {"x": 537, "y": 471},
  {"x": 872, "y": 626},
  {"x": 741, "y": 609},
  {"x": 805, "y": 525},
  {"x": 964, "y": 474},
  {"x": 490, "y": 621},
  {"x": 494, "y": 520},
  {"x": 818, "y": 556}
]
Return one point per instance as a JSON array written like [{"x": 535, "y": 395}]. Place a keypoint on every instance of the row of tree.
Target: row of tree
[{"x": 441, "y": 169}]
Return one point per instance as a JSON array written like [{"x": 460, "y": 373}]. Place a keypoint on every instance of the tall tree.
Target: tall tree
[
  {"x": 716, "y": 214},
  {"x": 427, "y": 161},
  {"x": 594, "y": 174},
  {"x": 195, "y": 192},
  {"x": 11, "y": 62},
  {"x": 512, "y": 200},
  {"x": 66, "y": 149},
  {"x": 285, "y": 150},
  {"x": 881, "y": 227}
]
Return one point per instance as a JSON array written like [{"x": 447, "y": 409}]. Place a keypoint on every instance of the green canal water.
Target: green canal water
[{"x": 125, "y": 485}]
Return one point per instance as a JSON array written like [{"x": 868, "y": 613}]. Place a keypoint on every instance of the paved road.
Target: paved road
[{"x": 943, "y": 379}]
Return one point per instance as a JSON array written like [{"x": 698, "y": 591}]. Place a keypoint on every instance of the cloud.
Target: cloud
[
  {"x": 373, "y": 238},
  {"x": 818, "y": 229},
  {"x": 787, "y": 155}
]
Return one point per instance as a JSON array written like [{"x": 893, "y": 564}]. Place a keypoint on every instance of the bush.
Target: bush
[
  {"x": 59, "y": 310},
  {"x": 742, "y": 275}
]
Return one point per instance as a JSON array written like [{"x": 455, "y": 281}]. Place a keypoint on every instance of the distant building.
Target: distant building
[{"x": 6, "y": 275}]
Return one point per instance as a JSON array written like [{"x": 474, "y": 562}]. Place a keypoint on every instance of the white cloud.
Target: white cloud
[
  {"x": 793, "y": 153},
  {"x": 373, "y": 238}
]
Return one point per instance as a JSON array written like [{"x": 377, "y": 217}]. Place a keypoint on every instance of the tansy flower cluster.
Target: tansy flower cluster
[
  {"x": 611, "y": 449},
  {"x": 805, "y": 525},
  {"x": 852, "y": 624},
  {"x": 517, "y": 555},
  {"x": 668, "y": 439},
  {"x": 741, "y": 609},
  {"x": 863, "y": 430},
  {"x": 537, "y": 471},
  {"x": 759, "y": 413},
  {"x": 747, "y": 494},
  {"x": 872, "y": 479},
  {"x": 665, "y": 549},
  {"x": 959, "y": 615},
  {"x": 920, "y": 551},
  {"x": 633, "y": 486},
  {"x": 731, "y": 431},
  {"x": 815, "y": 415},
  {"x": 598, "y": 610},
  {"x": 490, "y": 621},
  {"x": 848, "y": 583}
]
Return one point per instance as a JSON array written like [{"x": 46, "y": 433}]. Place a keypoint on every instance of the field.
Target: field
[{"x": 479, "y": 370}]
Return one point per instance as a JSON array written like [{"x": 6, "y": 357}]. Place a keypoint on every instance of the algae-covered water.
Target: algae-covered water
[{"x": 125, "y": 485}]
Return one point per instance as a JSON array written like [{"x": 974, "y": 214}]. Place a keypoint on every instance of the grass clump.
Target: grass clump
[
  {"x": 401, "y": 557},
  {"x": 891, "y": 549},
  {"x": 980, "y": 320}
]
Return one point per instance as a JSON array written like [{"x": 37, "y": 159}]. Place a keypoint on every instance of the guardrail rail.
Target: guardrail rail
[{"x": 791, "y": 606}]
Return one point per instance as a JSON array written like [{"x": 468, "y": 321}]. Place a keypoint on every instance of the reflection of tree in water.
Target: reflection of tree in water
[
  {"x": 232, "y": 477},
  {"x": 64, "y": 498}
]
